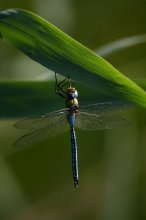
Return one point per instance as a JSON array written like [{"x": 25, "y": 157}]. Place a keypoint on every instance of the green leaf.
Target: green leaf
[{"x": 51, "y": 47}]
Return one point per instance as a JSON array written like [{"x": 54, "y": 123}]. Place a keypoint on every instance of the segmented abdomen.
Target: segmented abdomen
[{"x": 71, "y": 119}]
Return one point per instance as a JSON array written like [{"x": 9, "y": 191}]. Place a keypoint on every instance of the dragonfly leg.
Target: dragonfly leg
[{"x": 59, "y": 86}]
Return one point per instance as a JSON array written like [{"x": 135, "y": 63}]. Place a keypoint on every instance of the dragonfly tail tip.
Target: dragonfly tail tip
[{"x": 76, "y": 183}]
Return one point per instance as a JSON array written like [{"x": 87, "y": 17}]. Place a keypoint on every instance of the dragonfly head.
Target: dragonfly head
[{"x": 72, "y": 93}]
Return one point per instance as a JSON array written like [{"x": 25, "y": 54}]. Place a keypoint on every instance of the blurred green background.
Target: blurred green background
[{"x": 36, "y": 182}]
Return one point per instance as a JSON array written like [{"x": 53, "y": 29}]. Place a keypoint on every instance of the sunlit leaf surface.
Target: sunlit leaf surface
[{"x": 51, "y": 47}]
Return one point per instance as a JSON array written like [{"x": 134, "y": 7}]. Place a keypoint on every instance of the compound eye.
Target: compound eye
[
  {"x": 70, "y": 95},
  {"x": 75, "y": 94}
]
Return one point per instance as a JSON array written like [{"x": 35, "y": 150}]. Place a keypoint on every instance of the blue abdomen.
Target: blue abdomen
[{"x": 71, "y": 120}]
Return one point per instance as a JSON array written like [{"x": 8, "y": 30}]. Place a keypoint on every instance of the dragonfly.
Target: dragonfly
[{"x": 97, "y": 116}]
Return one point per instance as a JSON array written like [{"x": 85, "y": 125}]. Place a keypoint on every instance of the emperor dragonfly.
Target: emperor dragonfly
[{"x": 97, "y": 116}]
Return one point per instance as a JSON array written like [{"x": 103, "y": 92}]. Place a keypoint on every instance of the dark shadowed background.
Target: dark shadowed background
[{"x": 36, "y": 181}]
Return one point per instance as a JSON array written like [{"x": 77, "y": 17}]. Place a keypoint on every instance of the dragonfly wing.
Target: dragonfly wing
[
  {"x": 87, "y": 121},
  {"x": 48, "y": 119},
  {"x": 44, "y": 133},
  {"x": 105, "y": 108}
]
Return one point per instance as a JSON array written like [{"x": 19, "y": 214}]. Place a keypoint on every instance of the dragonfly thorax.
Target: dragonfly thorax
[{"x": 71, "y": 100}]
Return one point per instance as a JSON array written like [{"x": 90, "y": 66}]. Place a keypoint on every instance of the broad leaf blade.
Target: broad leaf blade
[{"x": 51, "y": 47}]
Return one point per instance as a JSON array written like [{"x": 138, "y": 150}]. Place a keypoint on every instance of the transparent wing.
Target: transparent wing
[
  {"x": 48, "y": 119},
  {"x": 106, "y": 108},
  {"x": 44, "y": 133},
  {"x": 87, "y": 121}
]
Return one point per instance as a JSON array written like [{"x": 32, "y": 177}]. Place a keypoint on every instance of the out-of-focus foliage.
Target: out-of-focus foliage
[{"x": 36, "y": 182}]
